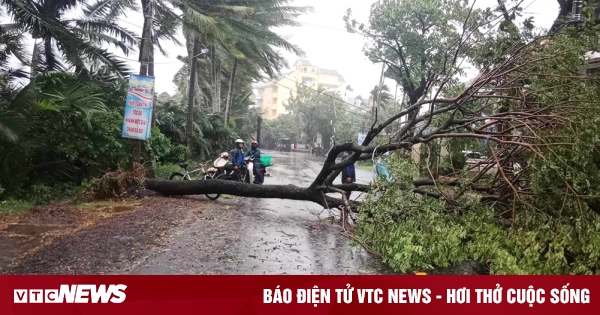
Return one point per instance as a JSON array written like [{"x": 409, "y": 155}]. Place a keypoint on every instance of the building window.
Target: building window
[
  {"x": 308, "y": 80},
  {"x": 304, "y": 69},
  {"x": 593, "y": 71}
]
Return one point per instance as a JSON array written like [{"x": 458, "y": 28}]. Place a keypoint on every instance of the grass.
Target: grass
[
  {"x": 15, "y": 206},
  {"x": 163, "y": 171},
  {"x": 103, "y": 204}
]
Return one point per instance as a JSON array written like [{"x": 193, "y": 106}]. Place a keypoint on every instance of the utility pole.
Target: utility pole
[
  {"x": 259, "y": 120},
  {"x": 146, "y": 59},
  {"x": 378, "y": 93},
  {"x": 146, "y": 66}
]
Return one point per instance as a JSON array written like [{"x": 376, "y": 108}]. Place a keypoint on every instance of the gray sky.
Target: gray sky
[{"x": 323, "y": 38}]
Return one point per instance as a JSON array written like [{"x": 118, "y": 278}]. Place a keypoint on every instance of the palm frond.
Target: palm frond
[
  {"x": 11, "y": 123},
  {"x": 109, "y": 9},
  {"x": 104, "y": 31}
]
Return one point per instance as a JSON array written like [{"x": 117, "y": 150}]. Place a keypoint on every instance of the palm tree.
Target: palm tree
[
  {"x": 240, "y": 32},
  {"x": 11, "y": 44},
  {"x": 385, "y": 95},
  {"x": 62, "y": 42}
]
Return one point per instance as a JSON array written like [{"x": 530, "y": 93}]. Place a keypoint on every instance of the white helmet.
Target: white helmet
[
  {"x": 225, "y": 155},
  {"x": 239, "y": 141}
]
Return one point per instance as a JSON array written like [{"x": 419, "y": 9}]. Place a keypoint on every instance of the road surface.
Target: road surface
[
  {"x": 264, "y": 236},
  {"x": 192, "y": 235}
]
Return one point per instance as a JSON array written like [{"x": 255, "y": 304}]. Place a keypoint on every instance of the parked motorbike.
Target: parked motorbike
[{"x": 221, "y": 165}]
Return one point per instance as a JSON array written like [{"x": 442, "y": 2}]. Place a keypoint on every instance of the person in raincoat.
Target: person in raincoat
[
  {"x": 382, "y": 170},
  {"x": 348, "y": 173}
]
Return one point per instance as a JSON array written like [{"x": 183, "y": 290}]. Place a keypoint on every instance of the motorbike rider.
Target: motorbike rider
[
  {"x": 254, "y": 153},
  {"x": 237, "y": 158}
]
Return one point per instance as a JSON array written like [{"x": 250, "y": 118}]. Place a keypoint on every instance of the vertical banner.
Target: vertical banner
[
  {"x": 361, "y": 137},
  {"x": 138, "y": 107}
]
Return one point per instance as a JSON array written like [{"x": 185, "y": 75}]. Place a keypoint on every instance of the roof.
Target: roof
[
  {"x": 304, "y": 62},
  {"x": 333, "y": 73}
]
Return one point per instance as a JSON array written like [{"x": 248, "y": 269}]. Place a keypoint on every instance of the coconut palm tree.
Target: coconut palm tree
[
  {"x": 239, "y": 32},
  {"x": 62, "y": 42}
]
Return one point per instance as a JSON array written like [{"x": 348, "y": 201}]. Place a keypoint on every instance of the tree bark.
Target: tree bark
[
  {"x": 229, "y": 100},
  {"x": 198, "y": 187},
  {"x": 189, "y": 127},
  {"x": 565, "y": 7},
  {"x": 214, "y": 77},
  {"x": 258, "y": 129},
  {"x": 146, "y": 63},
  {"x": 217, "y": 85},
  {"x": 35, "y": 61}
]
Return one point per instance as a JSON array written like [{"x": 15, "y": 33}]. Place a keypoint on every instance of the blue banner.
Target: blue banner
[{"x": 138, "y": 107}]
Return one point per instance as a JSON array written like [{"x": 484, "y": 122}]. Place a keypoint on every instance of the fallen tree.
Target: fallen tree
[
  {"x": 317, "y": 195},
  {"x": 445, "y": 118},
  {"x": 518, "y": 115}
]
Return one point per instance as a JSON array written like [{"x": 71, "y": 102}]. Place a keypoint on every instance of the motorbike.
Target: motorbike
[{"x": 220, "y": 170}]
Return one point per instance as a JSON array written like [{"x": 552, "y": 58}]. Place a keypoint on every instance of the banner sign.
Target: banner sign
[
  {"x": 138, "y": 107},
  {"x": 300, "y": 295},
  {"x": 361, "y": 137}
]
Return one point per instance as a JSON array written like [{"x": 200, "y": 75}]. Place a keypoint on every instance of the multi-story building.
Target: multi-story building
[{"x": 273, "y": 95}]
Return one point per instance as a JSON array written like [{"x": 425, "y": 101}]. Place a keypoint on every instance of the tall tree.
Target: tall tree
[
  {"x": 413, "y": 39},
  {"x": 61, "y": 42}
]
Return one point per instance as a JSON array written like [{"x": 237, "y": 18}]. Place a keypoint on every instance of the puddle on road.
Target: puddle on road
[
  {"x": 123, "y": 208},
  {"x": 265, "y": 236},
  {"x": 31, "y": 229},
  {"x": 12, "y": 247},
  {"x": 18, "y": 239}
]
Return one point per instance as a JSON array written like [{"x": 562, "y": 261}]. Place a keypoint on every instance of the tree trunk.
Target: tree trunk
[
  {"x": 217, "y": 86},
  {"x": 197, "y": 187},
  {"x": 213, "y": 80},
  {"x": 258, "y": 129},
  {"x": 189, "y": 129},
  {"x": 376, "y": 105},
  {"x": 146, "y": 59},
  {"x": 565, "y": 7},
  {"x": 35, "y": 61},
  {"x": 229, "y": 100}
]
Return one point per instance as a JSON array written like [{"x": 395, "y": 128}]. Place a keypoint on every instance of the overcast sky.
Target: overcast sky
[
  {"x": 324, "y": 39},
  {"x": 326, "y": 43}
]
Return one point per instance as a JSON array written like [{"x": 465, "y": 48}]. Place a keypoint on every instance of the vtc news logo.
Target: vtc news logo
[{"x": 82, "y": 293}]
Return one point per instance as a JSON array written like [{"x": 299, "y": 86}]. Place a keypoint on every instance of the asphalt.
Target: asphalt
[
  {"x": 261, "y": 236},
  {"x": 192, "y": 235}
]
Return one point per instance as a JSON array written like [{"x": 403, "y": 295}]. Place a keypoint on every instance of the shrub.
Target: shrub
[{"x": 117, "y": 184}]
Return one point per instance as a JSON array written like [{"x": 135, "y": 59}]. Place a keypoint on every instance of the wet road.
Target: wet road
[{"x": 262, "y": 236}]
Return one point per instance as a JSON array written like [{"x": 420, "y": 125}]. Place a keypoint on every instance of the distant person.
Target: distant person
[
  {"x": 348, "y": 173},
  {"x": 237, "y": 158},
  {"x": 254, "y": 152},
  {"x": 381, "y": 169}
]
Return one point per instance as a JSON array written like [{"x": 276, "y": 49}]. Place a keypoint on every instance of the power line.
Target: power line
[
  {"x": 156, "y": 63},
  {"x": 331, "y": 28},
  {"x": 330, "y": 96},
  {"x": 335, "y": 98},
  {"x": 127, "y": 22}
]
